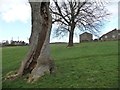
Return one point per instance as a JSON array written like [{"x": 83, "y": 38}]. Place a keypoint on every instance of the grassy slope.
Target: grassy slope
[{"x": 84, "y": 65}]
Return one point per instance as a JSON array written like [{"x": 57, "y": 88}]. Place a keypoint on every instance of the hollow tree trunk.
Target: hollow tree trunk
[{"x": 38, "y": 61}]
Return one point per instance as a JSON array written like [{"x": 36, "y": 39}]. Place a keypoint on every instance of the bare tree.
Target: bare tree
[
  {"x": 38, "y": 60},
  {"x": 80, "y": 14}
]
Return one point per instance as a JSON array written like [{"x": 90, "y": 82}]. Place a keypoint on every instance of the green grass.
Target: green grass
[{"x": 86, "y": 65}]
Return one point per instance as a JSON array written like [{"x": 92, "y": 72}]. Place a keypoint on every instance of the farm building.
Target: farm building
[
  {"x": 112, "y": 35},
  {"x": 85, "y": 37}
]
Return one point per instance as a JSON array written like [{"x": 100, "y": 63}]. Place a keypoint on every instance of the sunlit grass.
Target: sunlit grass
[{"x": 86, "y": 65}]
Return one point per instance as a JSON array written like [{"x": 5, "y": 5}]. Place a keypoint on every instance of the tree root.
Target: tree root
[
  {"x": 11, "y": 75},
  {"x": 32, "y": 79},
  {"x": 34, "y": 76},
  {"x": 37, "y": 73}
]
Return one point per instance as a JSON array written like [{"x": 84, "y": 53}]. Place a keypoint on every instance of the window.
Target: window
[
  {"x": 113, "y": 36},
  {"x": 106, "y": 36}
]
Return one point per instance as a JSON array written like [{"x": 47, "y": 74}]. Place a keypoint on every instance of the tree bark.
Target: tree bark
[
  {"x": 71, "y": 34},
  {"x": 70, "y": 43},
  {"x": 38, "y": 61}
]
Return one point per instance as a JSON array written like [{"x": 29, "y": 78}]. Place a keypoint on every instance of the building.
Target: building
[
  {"x": 4, "y": 43},
  {"x": 18, "y": 43},
  {"x": 85, "y": 37},
  {"x": 112, "y": 35}
]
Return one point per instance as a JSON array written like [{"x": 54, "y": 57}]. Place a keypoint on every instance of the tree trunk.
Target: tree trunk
[
  {"x": 70, "y": 43},
  {"x": 71, "y": 35},
  {"x": 38, "y": 61}
]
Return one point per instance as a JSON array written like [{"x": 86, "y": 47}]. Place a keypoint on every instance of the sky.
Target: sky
[{"x": 15, "y": 21}]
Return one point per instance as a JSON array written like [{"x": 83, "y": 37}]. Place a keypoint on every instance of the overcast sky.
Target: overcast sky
[{"x": 15, "y": 20}]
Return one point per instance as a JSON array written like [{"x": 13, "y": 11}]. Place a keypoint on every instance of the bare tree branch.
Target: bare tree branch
[{"x": 73, "y": 14}]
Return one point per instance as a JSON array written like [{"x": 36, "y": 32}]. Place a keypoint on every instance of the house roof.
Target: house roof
[
  {"x": 85, "y": 33},
  {"x": 110, "y": 32}
]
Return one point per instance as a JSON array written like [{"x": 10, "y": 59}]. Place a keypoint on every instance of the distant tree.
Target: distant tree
[{"x": 81, "y": 14}]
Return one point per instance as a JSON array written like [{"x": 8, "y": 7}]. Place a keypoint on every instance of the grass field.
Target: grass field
[{"x": 86, "y": 65}]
